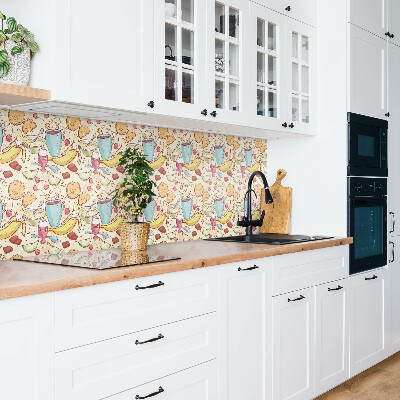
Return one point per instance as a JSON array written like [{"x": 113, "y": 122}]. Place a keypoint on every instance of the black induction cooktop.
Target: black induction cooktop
[{"x": 99, "y": 259}]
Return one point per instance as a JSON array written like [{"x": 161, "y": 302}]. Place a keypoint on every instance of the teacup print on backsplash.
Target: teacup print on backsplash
[{"x": 58, "y": 173}]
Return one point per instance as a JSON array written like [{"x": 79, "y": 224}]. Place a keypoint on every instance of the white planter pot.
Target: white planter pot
[{"x": 20, "y": 66}]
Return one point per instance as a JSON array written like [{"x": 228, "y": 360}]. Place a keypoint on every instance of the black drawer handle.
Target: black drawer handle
[
  {"x": 372, "y": 278},
  {"x": 160, "y": 390},
  {"x": 393, "y": 255},
  {"x": 333, "y": 290},
  {"x": 248, "y": 269},
  {"x": 150, "y": 286},
  {"x": 159, "y": 337},
  {"x": 298, "y": 299}
]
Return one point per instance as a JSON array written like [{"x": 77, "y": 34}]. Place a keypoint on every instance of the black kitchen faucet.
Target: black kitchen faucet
[{"x": 247, "y": 221}]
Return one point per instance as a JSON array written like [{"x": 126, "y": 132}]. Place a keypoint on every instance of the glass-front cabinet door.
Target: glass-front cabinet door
[
  {"x": 267, "y": 61},
  {"x": 180, "y": 53},
  {"x": 300, "y": 50},
  {"x": 228, "y": 69}
]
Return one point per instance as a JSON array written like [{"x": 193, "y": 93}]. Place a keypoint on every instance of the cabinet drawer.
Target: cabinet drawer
[
  {"x": 198, "y": 383},
  {"x": 90, "y": 314},
  {"x": 300, "y": 270},
  {"x": 112, "y": 366}
]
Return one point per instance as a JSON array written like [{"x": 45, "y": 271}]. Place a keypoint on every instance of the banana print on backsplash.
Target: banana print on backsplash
[{"x": 58, "y": 173}]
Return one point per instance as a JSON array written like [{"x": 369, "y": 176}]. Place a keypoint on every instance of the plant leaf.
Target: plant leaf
[
  {"x": 3, "y": 56},
  {"x": 16, "y": 37},
  {"x": 3, "y": 37},
  {"x": 2, "y": 16},
  {"x": 33, "y": 46},
  {"x": 12, "y": 25},
  {"x": 4, "y": 69},
  {"x": 17, "y": 49}
]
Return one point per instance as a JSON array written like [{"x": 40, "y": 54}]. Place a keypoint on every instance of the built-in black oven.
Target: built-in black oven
[
  {"x": 367, "y": 146},
  {"x": 367, "y": 223}
]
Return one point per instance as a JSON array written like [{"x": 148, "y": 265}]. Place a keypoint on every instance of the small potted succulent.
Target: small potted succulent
[
  {"x": 131, "y": 197},
  {"x": 17, "y": 46}
]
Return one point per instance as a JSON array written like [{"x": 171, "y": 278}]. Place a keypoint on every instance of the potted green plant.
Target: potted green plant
[
  {"x": 131, "y": 197},
  {"x": 17, "y": 46}
]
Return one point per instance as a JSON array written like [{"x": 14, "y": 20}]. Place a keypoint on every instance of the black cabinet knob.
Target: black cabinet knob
[
  {"x": 150, "y": 104},
  {"x": 213, "y": 114},
  {"x": 387, "y": 114},
  {"x": 284, "y": 124},
  {"x": 387, "y": 34},
  {"x": 291, "y": 125},
  {"x": 204, "y": 112},
  {"x": 288, "y": 8}
]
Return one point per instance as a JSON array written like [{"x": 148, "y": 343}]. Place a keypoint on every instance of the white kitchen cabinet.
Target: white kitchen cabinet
[
  {"x": 393, "y": 7},
  {"x": 368, "y": 320},
  {"x": 242, "y": 330},
  {"x": 370, "y": 15},
  {"x": 228, "y": 69},
  {"x": 111, "y": 366},
  {"x": 394, "y": 138},
  {"x": 394, "y": 294},
  {"x": 180, "y": 58},
  {"x": 367, "y": 74},
  {"x": 301, "y": 10},
  {"x": 332, "y": 335},
  {"x": 27, "y": 348},
  {"x": 293, "y": 345},
  {"x": 197, "y": 383}
]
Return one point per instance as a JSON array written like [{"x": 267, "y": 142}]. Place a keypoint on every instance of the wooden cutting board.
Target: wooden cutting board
[{"x": 278, "y": 214}]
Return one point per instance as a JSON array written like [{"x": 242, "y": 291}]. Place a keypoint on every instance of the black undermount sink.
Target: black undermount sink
[{"x": 270, "y": 238}]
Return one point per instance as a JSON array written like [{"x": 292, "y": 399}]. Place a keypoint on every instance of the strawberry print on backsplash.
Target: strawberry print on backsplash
[{"x": 58, "y": 174}]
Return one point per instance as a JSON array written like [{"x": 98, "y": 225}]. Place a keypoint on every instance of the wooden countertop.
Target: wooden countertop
[{"x": 18, "y": 278}]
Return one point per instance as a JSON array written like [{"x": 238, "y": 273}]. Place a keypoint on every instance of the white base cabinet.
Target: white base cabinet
[
  {"x": 242, "y": 330},
  {"x": 293, "y": 344},
  {"x": 331, "y": 335},
  {"x": 368, "y": 320},
  {"x": 27, "y": 348},
  {"x": 394, "y": 294}
]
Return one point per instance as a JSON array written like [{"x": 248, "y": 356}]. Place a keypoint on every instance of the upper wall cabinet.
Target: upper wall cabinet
[
  {"x": 302, "y": 10},
  {"x": 283, "y": 72},
  {"x": 115, "y": 67},
  {"x": 367, "y": 75},
  {"x": 393, "y": 21}
]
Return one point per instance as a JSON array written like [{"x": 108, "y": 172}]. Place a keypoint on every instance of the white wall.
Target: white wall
[{"x": 317, "y": 166}]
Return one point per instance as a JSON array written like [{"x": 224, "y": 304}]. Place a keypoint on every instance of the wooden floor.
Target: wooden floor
[{"x": 381, "y": 382}]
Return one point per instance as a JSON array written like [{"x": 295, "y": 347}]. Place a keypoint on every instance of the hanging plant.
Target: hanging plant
[{"x": 20, "y": 38}]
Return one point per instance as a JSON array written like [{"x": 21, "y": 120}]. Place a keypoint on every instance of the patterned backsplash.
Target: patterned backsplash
[{"x": 58, "y": 173}]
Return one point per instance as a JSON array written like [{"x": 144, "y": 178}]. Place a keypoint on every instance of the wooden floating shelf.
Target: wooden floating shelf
[{"x": 12, "y": 95}]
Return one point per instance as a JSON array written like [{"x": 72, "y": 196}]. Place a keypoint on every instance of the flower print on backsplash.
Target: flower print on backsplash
[{"x": 58, "y": 173}]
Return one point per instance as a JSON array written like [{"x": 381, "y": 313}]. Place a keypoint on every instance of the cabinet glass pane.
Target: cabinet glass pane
[
  {"x": 260, "y": 32},
  {"x": 271, "y": 37},
  {"x": 187, "y": 87},
  {"x": 272, "y": 72},
  {"x": 260, "y": 102},
  {"x": 305, "y": 79},
  {"x": 171, "y": 84},
  {"x": 295, "y": 108},
  {"x": 219, "y": 94},
  {"x": 219, "y": 18},
  {"x": 305, "y": 110},
  {"x": 272, "y": 104},
  {"x": 233, "y": 23},
  {"x": 295, "y": 45},
  {"x": 233, "y": 59},
  {"x": 188, "y": 11},
  {"x": 187, "y": 47},
  {"x": 234, "y": 96},
  {"x": 304, "y": 49},
  {"x": 219, "y": 56},
  {"x": 170, "y": 42},
  {"x": 170, "y": 9},
  {"x": 295, "y": 77},
  {"x": 260, "y": 67}
]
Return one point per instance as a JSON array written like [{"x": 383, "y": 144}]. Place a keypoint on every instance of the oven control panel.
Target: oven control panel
[{"x": 367, "y": 187}]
